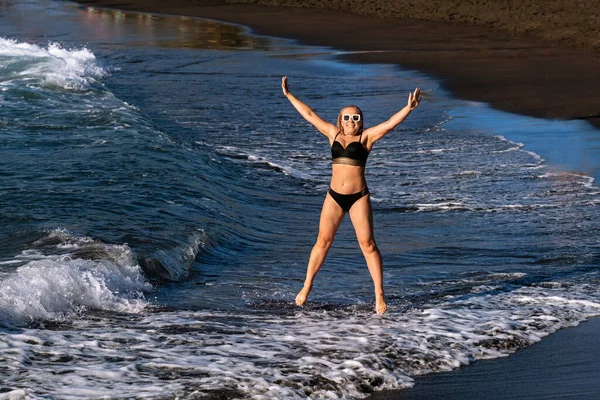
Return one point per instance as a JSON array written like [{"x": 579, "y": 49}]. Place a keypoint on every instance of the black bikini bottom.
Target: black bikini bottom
[{"x": 346, "y": 201}]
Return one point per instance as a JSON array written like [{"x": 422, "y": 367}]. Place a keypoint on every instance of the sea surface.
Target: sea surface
[{"x": 159, "y": 198}]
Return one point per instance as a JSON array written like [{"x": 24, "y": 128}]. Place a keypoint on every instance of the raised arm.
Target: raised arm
[
  {"x": 375, "y": 133},
  {"x": 308, "y": 114}
]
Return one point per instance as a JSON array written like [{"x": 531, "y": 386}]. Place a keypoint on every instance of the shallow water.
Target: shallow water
[{"x": 159, "y": 198}]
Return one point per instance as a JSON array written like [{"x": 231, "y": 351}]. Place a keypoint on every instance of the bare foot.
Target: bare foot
[
  {"x": 301, "y": 297},
  {"x": 380, "y": 305}
]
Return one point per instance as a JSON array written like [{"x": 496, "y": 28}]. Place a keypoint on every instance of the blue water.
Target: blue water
[{"x": 159, "y": 198}]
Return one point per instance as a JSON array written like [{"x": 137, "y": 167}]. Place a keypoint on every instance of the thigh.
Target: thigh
[
  {"x": 361, "y": 215},
  {"x": 331, "y": 217}
]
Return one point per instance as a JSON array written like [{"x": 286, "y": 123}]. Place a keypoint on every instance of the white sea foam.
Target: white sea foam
[
  {"x": 518, "y": 146},
  {"x": 285, "y": 167},
  {"x": 538, "y": 160},
  {"x": 17, "y": 394},
  {"x": 568, "y": 177},
  {"x": 442, "y": 206},
  {"x": 306, "y": 353},
  {"x": 85, "y": 275},
  {"x": 468, "y": 173},
  {"x": 52, "y": 66},
  {"x": 430, "y": 151}
]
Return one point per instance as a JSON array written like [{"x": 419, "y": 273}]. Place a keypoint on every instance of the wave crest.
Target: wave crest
[
  {"x": 59, "y": 287},
  {"x": 53, "y": 66}
]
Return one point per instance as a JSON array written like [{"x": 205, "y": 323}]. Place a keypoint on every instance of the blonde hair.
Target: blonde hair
[{"x": 340, "y": 126}]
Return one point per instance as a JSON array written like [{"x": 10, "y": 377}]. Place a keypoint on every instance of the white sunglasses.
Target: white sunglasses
[{"x": 348, "y": 117}]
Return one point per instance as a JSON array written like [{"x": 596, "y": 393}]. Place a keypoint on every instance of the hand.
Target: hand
[
  {"x": 284, "y": 85},
  {"x": 414, "y": 99}
]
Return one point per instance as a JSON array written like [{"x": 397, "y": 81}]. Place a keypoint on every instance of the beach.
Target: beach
[
  {"x": 160, "y": 198},
  {"x": 550, "y": 75},
  {"x": 563, "y": 366},
  {"x": 545, "y": 76}
]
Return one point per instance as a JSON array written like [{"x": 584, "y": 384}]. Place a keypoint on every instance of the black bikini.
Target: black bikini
[
  {"x": 354, "y": 154},
  {"x": 346, "y": 201}
]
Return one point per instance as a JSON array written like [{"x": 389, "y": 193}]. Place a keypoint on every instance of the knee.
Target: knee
[
  {"x": 368, "y": 246},
  {"x": 324, "y": 242}
]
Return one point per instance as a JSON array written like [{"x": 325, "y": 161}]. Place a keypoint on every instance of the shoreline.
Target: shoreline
[
  {"x": 562, "y": 365},
  {"x": 521, "y": 75},
  {"x": 493, "y": 376},
  {"x": 518, "y": 74},
  {"x": 535, "y": 78}
]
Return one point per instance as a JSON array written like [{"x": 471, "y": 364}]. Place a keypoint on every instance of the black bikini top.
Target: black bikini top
[{"x": 354, "y": 154}]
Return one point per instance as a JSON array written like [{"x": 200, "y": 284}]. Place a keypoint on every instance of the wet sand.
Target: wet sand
[
  {"x": 514, "y": 72},
  {"x": 565, "y": 365}
]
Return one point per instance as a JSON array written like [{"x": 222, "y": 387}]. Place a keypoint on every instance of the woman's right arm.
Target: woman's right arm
[{"x": 308, "y": 114}]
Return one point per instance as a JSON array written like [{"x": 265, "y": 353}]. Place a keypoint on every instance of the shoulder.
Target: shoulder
[
  {"x": 374, "y": 133},
  {"x": 367, "y": 139},
  {"x": 333, "y": 136}
]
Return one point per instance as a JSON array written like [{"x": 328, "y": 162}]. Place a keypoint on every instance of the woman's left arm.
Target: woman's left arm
[{"x": 376, "y": 132}]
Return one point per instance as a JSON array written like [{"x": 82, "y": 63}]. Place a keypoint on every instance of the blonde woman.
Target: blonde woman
[{"x": 348, "y": 193}]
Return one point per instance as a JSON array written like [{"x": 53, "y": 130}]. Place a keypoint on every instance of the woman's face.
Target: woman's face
[{"x": 350, "y": 125}]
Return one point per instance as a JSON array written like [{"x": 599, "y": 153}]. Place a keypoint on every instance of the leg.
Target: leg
[
  {"x": 361, "y": 215},
  {"x": 331, "y": 217}
]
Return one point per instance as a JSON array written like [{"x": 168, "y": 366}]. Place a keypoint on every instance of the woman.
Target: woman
[{"x": 348, "y": 192}]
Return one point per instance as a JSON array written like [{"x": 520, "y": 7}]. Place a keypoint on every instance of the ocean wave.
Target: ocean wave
[
  {"x": 52, "y": 67},
  {"x": 569, "y": 178},
  {"x": 174, "y": 264},
  {"x": 284, "y": 167},
  {"x": 62, "y": 276}
]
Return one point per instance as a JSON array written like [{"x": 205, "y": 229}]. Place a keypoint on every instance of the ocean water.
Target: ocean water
[{"x": 159, "y": 198}]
